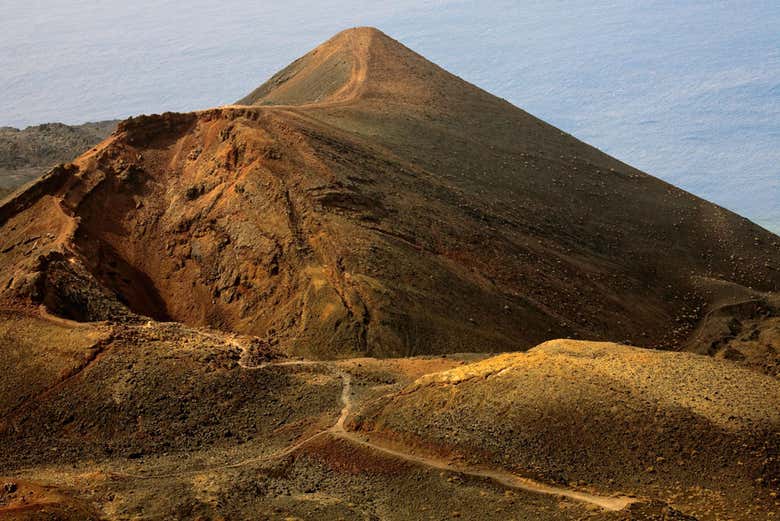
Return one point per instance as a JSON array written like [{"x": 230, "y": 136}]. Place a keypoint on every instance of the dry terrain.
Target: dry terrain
[
  {"x": 381, "y": 207},
  {"x": 292, "y": 308},
  {"x": 26, "y": 154},
  {"x": 698, "y": 432}
]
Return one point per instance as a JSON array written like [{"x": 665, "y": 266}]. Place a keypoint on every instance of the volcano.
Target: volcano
[
  {"x": 364, "y": 200},
  {"x": 284, "y": 308}
]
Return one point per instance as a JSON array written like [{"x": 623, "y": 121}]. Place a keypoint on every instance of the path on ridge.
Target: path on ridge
[
  {"x": 504, "y": 478},
  {"x": 339, "y": 430}
]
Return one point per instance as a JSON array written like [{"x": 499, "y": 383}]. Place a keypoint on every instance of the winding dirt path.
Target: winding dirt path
[
  {"x": 338, "y": 430},
  {"x": 507, "y": 479}
]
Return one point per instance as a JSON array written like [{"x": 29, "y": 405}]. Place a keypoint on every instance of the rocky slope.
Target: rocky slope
[
  {"x": 185, "y": 311},
  {"x": 699, "y": 433},
  {"x": 26, "y": 154},
  {"x": 162, "y": 421},
  {"x": 366, "y": 201},
  {"x": 743, "y": 327}
]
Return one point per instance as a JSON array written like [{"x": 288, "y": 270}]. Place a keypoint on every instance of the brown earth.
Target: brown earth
[
  {"x": 25, "y": 501},
  {"x": 158, "y": 295},
  {"x": 699, "y": 433},
  {"x": 366, "y": 201},
  {"x": 161, "y": 421},
  {"x": 742, "y": 325}
]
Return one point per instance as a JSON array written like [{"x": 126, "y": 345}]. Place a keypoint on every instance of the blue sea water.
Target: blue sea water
[{"x": 687, "y": 90}]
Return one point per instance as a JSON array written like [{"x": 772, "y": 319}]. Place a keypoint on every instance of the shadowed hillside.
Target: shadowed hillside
[{"x": 702, "y": 431}]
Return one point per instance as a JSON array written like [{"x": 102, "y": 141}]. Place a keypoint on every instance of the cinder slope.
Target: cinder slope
[
  {"x": 330, "y": 73},
  {"x": 370, "y": 202},
  {"x": 37, "y": 354},
  {"x": 578, "y": 231},
  {"x": 698, "y": 433}
]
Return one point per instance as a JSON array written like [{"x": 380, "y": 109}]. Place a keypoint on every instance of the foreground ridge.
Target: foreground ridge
[{"x": 338, "y": 429}]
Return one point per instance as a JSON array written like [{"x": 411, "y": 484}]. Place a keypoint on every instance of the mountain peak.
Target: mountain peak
[
  {"x": 330, "y": 72},
  {"x": 356, "y": 64},
  {"x": 361, "y": 31},
  {"x": 388, "y": 207}
]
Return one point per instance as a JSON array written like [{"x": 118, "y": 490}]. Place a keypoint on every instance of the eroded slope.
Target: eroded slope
[{"x": 393, "y": 210}]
